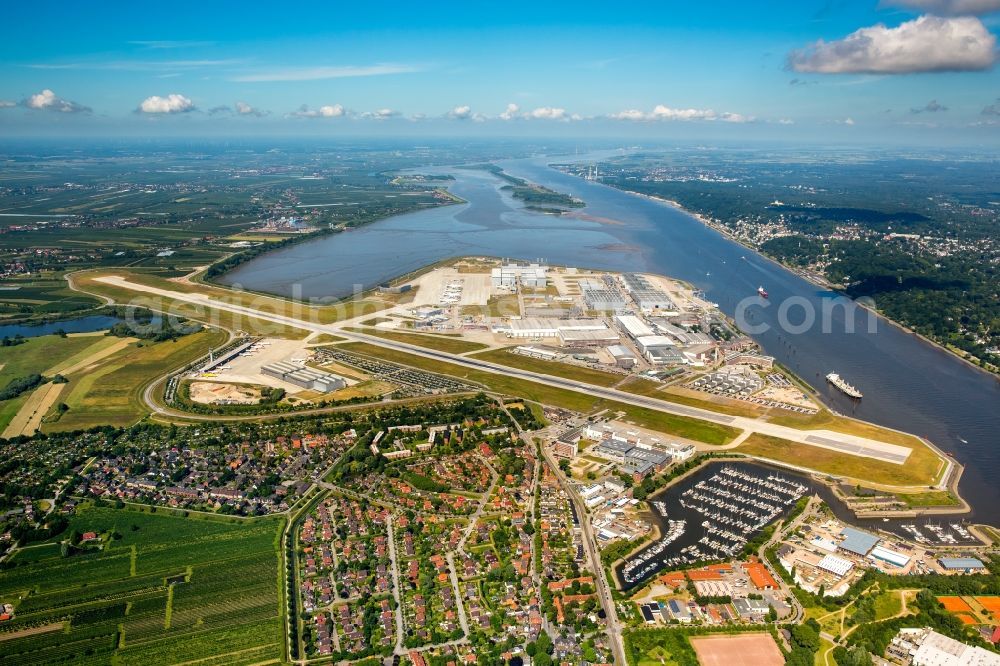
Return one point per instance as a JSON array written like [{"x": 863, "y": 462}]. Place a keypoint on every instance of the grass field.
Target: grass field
[
  {"x": 111, "y": 394},
  {"x": 688, "y": 428},
  {"x": 935, "y": 498},
  {"x": 37, "y": 297},
  {"x": 554, "y": 368},
  {"x": 921, "y": 469},
  {"x": 160, "y": 592},
  {"x": 39, "y": 355},
  {"x": 443, "y": 343}
]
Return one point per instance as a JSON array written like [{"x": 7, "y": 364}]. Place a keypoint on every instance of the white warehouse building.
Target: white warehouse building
[{"x": 529, "y": 275}]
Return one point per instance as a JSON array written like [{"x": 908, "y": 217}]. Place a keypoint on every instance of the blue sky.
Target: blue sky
[{"x": 908, "y": 70}]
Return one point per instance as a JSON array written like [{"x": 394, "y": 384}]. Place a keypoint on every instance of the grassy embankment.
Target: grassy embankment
[
  {"x": 451, "y": 345},
  {"x": 554, "y": 368},
  {"x": 921, "y": 469}
]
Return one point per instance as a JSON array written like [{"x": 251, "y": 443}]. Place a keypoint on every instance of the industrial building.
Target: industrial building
[
  {"x": 890, "y": 556},
  {"x": 633, "y": 326},
  {"x": 925, "y": 647},
  {"x": 509, "y": 276},
  {"x": 836, "y": 565},
  {"x": 646, "y": 296},
  {"x": 601, "y": 296},
  {"x": 623, "y": 357},
  {"x": 307, "y": 378},
  {"x": 963, "y": 564},
  {"x": 598, "y": 338},
  {"x": 548, "y": 328},
  {"x": 857, "y": 541}
]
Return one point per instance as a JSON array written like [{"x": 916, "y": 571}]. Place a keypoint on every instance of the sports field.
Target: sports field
[
  {"x": 152, "y": 589},
  {"x": 742, "y": 650}
]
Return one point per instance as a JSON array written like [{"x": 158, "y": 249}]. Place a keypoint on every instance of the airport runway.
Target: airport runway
[{"x": 842, "y": 443}]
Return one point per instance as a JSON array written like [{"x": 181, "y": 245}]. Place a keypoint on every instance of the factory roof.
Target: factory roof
[
  {"x": 633, "y": 325},
  {"x": 647, "y": 341},
  {"x": 857, "y": 541},
  {"x": 835, "y": 565},
  {"x": 620, "y": 351},
  {"x": 957, "y": 563},
  {"x": 890, "y": 556}
]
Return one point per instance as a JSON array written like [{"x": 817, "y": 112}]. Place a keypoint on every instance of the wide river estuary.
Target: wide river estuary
[{"x": 908, "y": 384}]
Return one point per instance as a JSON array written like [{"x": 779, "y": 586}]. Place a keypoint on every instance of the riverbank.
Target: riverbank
[{"x": 811, "y": 277}]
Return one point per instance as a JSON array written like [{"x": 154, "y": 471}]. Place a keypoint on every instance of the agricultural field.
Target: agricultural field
[
  {"x": 111, "y": 393},
  {"x": 148, "y": 588}
]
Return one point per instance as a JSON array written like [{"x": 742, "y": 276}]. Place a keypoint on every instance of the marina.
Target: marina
[{"x": 724, "y": 506}]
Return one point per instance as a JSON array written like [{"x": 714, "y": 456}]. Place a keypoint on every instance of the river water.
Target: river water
[{"x": 908, "y": 384}]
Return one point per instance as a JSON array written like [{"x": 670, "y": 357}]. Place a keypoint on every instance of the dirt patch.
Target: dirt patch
[
  {"x": 212, "y": 393},
  {"x": 743, "y": 650}
]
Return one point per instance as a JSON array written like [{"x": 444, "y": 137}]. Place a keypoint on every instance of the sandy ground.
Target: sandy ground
[
  {"x": 29, "y": 417},
  {"x": 31, "y": 631},
  {"x": 745, "y": 650},
  {"x": 791, "y": 396},
  {"x": 208, "y": 393}
]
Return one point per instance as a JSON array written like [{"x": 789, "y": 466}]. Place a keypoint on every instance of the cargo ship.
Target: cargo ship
[
  {"x": 844, "y": 387},
  {"x": 762, "y": 292}
]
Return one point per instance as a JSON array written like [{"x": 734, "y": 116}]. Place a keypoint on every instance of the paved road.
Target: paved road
[
  {"x": 395, "y": 586},
  {"x": 855, "y": 445}
]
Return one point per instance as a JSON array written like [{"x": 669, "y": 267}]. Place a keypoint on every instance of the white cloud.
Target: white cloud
[
  {"x": 461, "y": 112},
  {"x": 786, "y": 121},
  {"x": 547, "y": 113},
  {"x": 666, "y": 113},
  {"x": 48, "y": 101},
  {"x": 845, "y": 121},
  {"x": 947, "y": 7},
  {"x": 320, "y": 73},
  {"x": 6, "y": 104},
  {"x": 380, "y": 114},
  {"x": 172, "y": 103},
  {"x": 244, "y": 109},
  {"x": 510, "y": 113},
  {"x": 925, "y": 44},
  {"x": 325, "y": 111}
]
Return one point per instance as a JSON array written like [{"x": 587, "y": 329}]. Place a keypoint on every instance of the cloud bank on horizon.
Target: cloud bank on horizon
[{"x": 836, "y": 65}]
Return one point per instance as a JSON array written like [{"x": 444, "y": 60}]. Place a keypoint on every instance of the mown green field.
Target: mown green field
[
  {"x": 36, "y": 355},
  {"x": 117, "y": 606},
  {"x": 111, "y": 394},
  {"x": 680, "y": 426},
  {"x": 555, "y": 368},
  {"x": 443, "y": 343}
]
